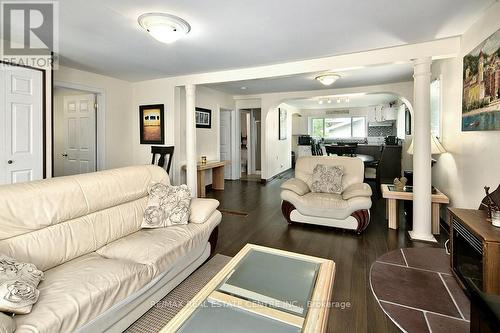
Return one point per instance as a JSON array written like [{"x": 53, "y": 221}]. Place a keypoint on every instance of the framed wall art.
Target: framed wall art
[
  {"x": 203, "y": 118},
  {"x": 481, "y": 86},
  {"x": 151, "y": 124},
  {"x": 282, "y": 128}
]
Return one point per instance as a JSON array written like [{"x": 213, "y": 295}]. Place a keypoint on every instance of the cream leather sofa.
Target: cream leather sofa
[
  {"x": 101, "y": 270},
  {"x": 349, "y": 210}
]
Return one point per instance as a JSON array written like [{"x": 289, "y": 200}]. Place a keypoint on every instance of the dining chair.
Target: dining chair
[
  {"x": 163, "y": 151},
  {"x": 373, "y": 171}
]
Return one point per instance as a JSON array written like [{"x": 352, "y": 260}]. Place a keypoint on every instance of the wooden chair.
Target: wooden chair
[
  {"x": 163, "y": 151},
  {"x": 372, "y": 172},
  {"x": 341, "y": 150}
]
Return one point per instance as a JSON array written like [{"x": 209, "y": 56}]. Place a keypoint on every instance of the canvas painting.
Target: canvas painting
[
  {"x": 151, "y": 124},
  {"x": 481, "y": 87},
  {"x": 282, "y": 124}
]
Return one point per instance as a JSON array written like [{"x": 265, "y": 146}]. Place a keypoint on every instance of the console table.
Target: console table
[
  {"x": 392, "y": 213},
  {"x": 217, "y": 168}
]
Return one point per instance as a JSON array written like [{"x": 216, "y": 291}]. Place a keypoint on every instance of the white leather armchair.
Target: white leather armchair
[{"x": 349, "y": 210}]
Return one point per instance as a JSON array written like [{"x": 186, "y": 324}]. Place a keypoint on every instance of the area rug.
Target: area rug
[
  {"x": 160, "y": 314},
  {"x": 416, "y": 289}
]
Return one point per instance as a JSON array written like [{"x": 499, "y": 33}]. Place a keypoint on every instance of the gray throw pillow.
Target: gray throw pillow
[
  {"x": 18, "y": 283},
  {"x": 327, "y": 179},
  {"x": 167, "y": 205}
]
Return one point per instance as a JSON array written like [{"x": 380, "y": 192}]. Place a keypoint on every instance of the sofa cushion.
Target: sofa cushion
[
  {"x": 7, "y": 323},
  {"x": 296, "y": 185},
  {"x": 18, "y": 282},
  {"x": 202, "y": 209},
  {"x": 357, "y": 190},
  {"x": 353, "y": 168},
  {"x": 327, "y": 179},
  {"x": 62, "y": 242},
  {"x": 79, "y": 290},
  {"x": 161, "y": 248},
  {"x": 167, "y": 205},
  {"x": 326, "y": 204}
]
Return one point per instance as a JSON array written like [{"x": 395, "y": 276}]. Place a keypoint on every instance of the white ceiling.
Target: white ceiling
[
  {"x": 353, "y": 78},
  {"x": 103, "y": 35},
  {"x": 355, "y": 101}
]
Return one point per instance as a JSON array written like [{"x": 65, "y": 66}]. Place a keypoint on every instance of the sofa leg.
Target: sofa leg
[
  {"x": 213, "y": 239},
  {"x": 286, "y": 209},
  {"x": 363, "y": 218}
]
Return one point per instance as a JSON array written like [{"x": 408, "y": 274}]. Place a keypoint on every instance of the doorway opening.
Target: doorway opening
[
  {"x": 250, "y": 153},
  {"x": 74, "y": 132}
]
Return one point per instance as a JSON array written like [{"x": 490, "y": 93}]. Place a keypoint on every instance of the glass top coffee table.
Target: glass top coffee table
[{"x": 262, "y": 290}]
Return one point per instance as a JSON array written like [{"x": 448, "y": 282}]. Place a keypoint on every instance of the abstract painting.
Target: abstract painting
[{"x": 151, "y": 124}]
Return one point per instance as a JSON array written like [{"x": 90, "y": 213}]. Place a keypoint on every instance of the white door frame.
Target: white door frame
[
  {"x": 100, "y": 117},
  {"x": 231, "y": 139}
]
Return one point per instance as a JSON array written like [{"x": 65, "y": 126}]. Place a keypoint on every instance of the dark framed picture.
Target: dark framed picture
[
  {"x": 151, "y": 124},
  {"x": 282, "y": 128},
  {"x": 407, "y": 122},
  {"x": 203, "y": 118}
]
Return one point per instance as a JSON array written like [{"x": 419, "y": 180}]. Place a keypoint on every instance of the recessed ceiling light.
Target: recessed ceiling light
[
  {"x": 164, "y": 27},
  {"x": 329, "y": 101},
  {"x": 243, "y": 88},
  {"x": 338, "y": 100},
  {"x": 320, "y": 101},
  {"x": 327, "y": 79}
]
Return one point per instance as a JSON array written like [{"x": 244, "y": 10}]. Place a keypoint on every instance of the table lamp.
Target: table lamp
[{"x": 436, "y": 147}]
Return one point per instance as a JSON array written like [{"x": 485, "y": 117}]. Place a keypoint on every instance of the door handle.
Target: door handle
[{"x": 10, "y": 161}]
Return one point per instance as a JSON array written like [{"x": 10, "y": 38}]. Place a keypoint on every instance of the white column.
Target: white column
[
  {"x": 191, "y": 159},
  {"x": 422, "y": 151}
]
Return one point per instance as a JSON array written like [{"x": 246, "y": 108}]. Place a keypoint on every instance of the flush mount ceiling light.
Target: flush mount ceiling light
[
  {"x": 164, "y": 27},
  {"x": 327, "y": 79}
]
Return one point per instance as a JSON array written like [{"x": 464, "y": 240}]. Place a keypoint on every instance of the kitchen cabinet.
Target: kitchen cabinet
[{"x": 382, "y": 114}]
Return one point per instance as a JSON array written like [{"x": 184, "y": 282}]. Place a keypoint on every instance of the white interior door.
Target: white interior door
[
  {"x": 79, "y": 134},
  {"x": 21, "y": 125},
  {"x": 225, "y": 141}
]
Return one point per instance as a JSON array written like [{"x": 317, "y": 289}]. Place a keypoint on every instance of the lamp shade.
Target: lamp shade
[{"x": 436, "y": 147}]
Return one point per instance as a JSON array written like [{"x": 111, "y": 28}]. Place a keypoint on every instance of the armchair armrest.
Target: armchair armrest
[
  {"x": 296, "y": 185},
  {"x": 357, "y": 190},
  {"x": 7, "y": 324},
  {"x": 202, "y": 209}
]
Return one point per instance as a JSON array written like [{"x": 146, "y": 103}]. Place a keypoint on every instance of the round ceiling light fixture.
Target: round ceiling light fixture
[
  {"x": 164, "y": 27},
  {"x": 327, "y": 79}
]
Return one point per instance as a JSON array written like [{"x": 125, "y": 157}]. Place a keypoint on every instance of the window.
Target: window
[
  {"x": 436, "y": 108},
  {"x": 339, "y": 128},
  {"x": 318, "y": 128}
]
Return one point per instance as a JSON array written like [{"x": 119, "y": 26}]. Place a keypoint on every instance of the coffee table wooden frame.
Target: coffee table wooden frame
[{"x": 317, "y": 315}]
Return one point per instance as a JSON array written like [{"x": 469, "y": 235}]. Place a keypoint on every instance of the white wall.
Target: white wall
[
  {"x": 473, "y": 157},
  {"x": 119, "y": 118}
]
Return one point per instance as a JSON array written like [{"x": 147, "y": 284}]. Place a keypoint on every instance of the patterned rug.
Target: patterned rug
[
  {"x": 416, "y": 289},
  {"x": 160, "y": 314}
]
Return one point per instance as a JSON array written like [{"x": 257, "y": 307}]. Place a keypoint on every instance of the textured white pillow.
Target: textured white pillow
[
  {"x": 167, "y": 205},
  {"x": 327, "y": 179},
  {"x": 18, "y": 282}
]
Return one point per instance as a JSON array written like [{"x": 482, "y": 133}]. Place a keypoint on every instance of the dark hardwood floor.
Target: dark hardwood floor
[{"x": 353, "y": 254}]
